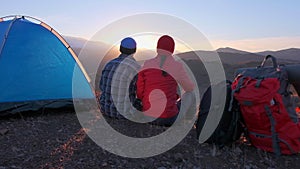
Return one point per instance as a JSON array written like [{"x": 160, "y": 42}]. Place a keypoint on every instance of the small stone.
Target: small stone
[
  {"x": 3, "y": 131},
  {"x": 189, "y": 165},
  {"x": 104, "y": 164},
  {"x": 178, "y": 157},
  {"x": 247, "y": 167},
  {"x": 161, "y": 168},
  {"x": 15, "y": 149},
  {"x": 238, "y": 150}
]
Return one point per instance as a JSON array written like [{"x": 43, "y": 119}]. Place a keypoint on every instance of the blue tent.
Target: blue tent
[{"x": 37, "y": 68}]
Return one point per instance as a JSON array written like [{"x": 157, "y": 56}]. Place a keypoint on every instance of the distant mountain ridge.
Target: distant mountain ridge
[
  {"x": 289, "y": 54},
  {"x": 235, "y": 56},
  {"x": 227, "y": 55},
  {"x": 231, "y": 50}
]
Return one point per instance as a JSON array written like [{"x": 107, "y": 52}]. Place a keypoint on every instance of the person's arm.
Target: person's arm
[
  {"x": 101, "y": 84},
  {"x": 184, "y": 80},
  {"x": 133, "y": 88},
  {"x": 135, "y": 101},
  {"x": 140, "y": 85}
]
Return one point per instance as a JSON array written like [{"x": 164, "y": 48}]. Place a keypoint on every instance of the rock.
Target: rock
[
  {"x": 3, "y": 131},
  {"x": 214, "y": 150},
  {"x": 104, "y": 164},
  {"x": 178, "y": 157},
  {"x": 189, "y": 165},
  {"x": 238, "y": 151},
  {"x": 196, "y": 167},
  {"x": 247, "y": 167},
  {"x": 161, "y": 168},
  {"x": 15, "y": 149}
]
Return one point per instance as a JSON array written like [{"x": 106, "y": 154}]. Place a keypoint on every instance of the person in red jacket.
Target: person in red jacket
[{"x": 158, "y": 81}]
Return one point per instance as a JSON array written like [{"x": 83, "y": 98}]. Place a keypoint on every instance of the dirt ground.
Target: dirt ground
[{"x": 57, "y": 140}]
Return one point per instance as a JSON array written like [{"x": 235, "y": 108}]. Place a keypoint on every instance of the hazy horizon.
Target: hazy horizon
[{"x": 153, "y": 48}]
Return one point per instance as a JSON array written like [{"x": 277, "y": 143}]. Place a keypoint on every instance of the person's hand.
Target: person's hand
[{"x": 97, "y": 94}]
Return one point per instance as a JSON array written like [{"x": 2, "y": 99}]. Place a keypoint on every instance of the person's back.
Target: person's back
[
  {"x": 118, "y": 77},
  {"x": 157, "y": 82}
]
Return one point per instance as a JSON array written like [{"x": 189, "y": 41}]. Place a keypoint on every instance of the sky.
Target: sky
[{"x": 254, "y": 25}]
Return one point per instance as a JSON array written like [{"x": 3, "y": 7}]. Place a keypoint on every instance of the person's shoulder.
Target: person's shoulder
[
  {"x": 111, "y": 63},
  {"x": 130, "y": 62},
  {"x": 150, "y": 62},
  {"x": 178, "y": 63},
  {"x": 174, "y": 63}
]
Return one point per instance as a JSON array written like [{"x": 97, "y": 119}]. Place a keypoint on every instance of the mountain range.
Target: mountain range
[
  {"x": 89, "y": 53},
  {"x": 227, "y": 55}
]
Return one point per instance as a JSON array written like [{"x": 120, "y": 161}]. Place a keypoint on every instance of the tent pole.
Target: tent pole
[{"x": 6, "y": 34}]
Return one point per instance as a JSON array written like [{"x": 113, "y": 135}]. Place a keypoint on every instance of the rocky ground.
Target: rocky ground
[{"x": 57, "y": 140}]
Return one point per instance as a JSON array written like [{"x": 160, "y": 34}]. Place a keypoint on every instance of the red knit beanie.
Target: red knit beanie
[{"x": 166, "y": 43}]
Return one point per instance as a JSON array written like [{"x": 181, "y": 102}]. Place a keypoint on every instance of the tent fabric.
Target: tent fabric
[{"x": 37, "y": 66}]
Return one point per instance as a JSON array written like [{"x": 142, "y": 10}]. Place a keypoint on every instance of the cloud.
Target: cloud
[{"x": 259, "y": 44}]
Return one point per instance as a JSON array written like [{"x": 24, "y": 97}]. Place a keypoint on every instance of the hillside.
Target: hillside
[
  {"x": 226, "y": 58},
  {"x": 288, "y": 54},
  {"x": 231, "y": 50}
]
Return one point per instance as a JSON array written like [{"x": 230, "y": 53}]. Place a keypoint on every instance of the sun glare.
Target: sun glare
[{"x": 148, "y": 42}]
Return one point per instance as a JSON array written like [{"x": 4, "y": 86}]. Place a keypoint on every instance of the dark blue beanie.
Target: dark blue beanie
[{"x": 128, "y": 46}]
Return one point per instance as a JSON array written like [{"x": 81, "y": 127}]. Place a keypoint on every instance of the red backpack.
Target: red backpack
[{"x": 267, "y": 108}]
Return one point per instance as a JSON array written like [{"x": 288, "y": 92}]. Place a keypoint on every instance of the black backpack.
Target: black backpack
[{"x": 230, "y": 126}]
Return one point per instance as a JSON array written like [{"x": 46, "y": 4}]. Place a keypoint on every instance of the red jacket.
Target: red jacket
[{"x": 164, "y": 99}]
